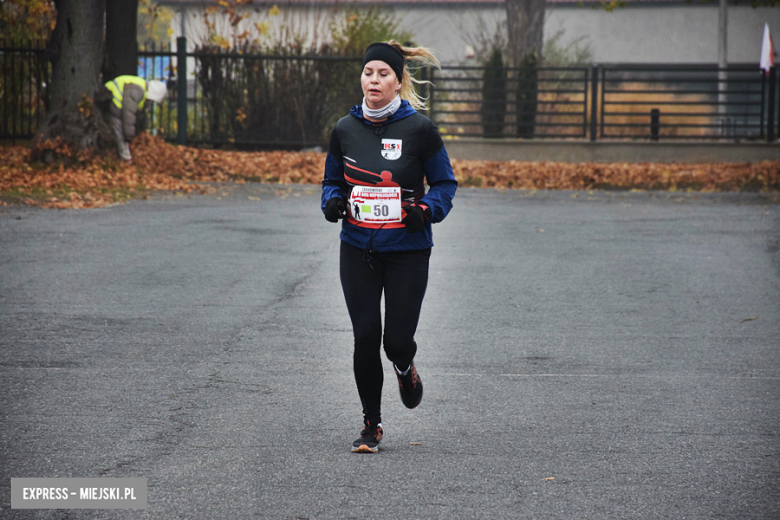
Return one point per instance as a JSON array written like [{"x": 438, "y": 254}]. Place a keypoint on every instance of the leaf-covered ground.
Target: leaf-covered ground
[{"x": 90, "y": 181}]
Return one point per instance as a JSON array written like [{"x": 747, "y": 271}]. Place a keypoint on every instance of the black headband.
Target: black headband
[{"x": 388, "y": 54}]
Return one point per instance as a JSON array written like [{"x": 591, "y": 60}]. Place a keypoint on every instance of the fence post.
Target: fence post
[
  {"x": 594, "y": 101},
  {"x": 181, "y": 102},
  {"x": 770, "y": 116}
]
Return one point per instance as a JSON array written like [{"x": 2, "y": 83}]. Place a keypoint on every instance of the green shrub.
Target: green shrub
[
  {"x": 527, "y": 95},
  {"x": 494, "y": 95}
]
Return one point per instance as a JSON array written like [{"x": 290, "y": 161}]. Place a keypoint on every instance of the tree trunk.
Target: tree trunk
[
  {"x": 75, "y": 50},
  {"x": 525, "y": 28},
  {"x": 121, "y": 38}
]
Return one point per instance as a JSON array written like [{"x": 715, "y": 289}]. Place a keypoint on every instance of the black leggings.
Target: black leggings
[{"x": 403, "y": 276}]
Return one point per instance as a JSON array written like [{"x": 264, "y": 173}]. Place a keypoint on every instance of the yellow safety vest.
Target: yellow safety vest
[{"x": 117, "y": 86}]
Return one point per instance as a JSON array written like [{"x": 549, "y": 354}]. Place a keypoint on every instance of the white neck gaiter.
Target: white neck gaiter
[{"x": 384, "y": 112}]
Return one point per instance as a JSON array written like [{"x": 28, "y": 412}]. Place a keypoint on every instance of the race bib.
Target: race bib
[{"x": 375, "y": 204}]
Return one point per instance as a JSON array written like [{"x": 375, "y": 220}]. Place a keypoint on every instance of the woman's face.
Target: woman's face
[{"x": 380, "y": 84}]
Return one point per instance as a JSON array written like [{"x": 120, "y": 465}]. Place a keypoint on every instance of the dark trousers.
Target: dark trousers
[{"x": 403, "y": 277}]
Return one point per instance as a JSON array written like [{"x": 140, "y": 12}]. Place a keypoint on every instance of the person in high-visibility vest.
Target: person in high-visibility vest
[{"x": 129, "y": 94}]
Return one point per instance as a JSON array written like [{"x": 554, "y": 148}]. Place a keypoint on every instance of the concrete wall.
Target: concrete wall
[
  {"x": 667, "y": 33},
  {"x": 604, "y": 152},
  {"x": 679, "y": 34},
  {"x": 634, "y": 34}
]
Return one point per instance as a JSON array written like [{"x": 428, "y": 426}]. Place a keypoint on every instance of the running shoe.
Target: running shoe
[
  {"x": 411, "y": 386},
  {"x": 369, "y": 439}
]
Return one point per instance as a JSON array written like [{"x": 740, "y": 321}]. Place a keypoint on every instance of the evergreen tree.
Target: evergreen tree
[
  {"x": 527, "y": 95},
  {"x": 494, "y": 95}
]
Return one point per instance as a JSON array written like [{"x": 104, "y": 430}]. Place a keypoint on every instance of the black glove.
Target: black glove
[
  {"x": 415, "y": 217},
  {"x": 335, "y": 209}
]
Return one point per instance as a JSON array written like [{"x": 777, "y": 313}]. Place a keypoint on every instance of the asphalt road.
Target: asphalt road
[{"x": 585, "y": 356}]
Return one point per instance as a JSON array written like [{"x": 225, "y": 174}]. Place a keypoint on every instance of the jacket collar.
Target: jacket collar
[{"x": 404, "y": 111}]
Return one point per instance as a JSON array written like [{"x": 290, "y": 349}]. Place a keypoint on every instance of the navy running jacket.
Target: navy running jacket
[{"x": 406, "y": 150}]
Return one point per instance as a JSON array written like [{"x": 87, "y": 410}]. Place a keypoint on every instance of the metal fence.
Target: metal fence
[
  {"x": 269, "y": 101},
  {"x": 638, "y": 102},
  {"x": 686, "y": 103},
  {"x": 557, "y": 105},
  {"x": 252, "y": 101},
  {"x": 23, "y": 79},
  {"x": 249, "y": 100},
  {"x": 160, "y": 64}
]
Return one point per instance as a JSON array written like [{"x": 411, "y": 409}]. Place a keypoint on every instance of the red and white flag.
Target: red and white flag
[{"x": 767, "y": 51}]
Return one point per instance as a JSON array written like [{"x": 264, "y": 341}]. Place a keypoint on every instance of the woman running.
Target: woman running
[{"x": 378, "y": 160}]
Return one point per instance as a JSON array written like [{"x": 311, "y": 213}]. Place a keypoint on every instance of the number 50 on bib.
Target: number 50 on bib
[{"x": 375, "y": 204}]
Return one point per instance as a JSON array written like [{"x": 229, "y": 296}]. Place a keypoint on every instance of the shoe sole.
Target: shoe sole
[
  {"x": 365, "y": 449},
  {"x": 415, "y": 404},
  {"x": 412, "y": 405}
]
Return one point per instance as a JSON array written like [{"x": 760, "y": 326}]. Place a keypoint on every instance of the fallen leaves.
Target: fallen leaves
[
  {"x": 152, "y": 154},
  {"x": 96, "y": 181},
  {"x": 589, "y": 176},
  {"x": 90, "y": 182}
]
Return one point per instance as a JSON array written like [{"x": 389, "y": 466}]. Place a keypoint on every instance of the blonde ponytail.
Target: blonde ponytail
[{"x": 408, "y": 82}]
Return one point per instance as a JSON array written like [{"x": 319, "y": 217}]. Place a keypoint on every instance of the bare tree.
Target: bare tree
[{"x": 525, "y": 28}]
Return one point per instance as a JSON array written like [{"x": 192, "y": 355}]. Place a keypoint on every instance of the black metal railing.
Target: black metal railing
[
  {"x": 253, "y": 100},
  {"x": 662, "y": 102},
  {"x": 556, "y": 105},
  {"x": 159, "y": 63},
  {"x": 24, "y": 75},
  {"x": 257, "y": 100},
  {"x": 630, "y": 102}
]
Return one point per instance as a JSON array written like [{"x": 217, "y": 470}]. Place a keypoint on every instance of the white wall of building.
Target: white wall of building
[
  {"x": 679, "y": 34},
  {"x": 665, "y": 34},
  {"x": 633, "y": 34}
]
